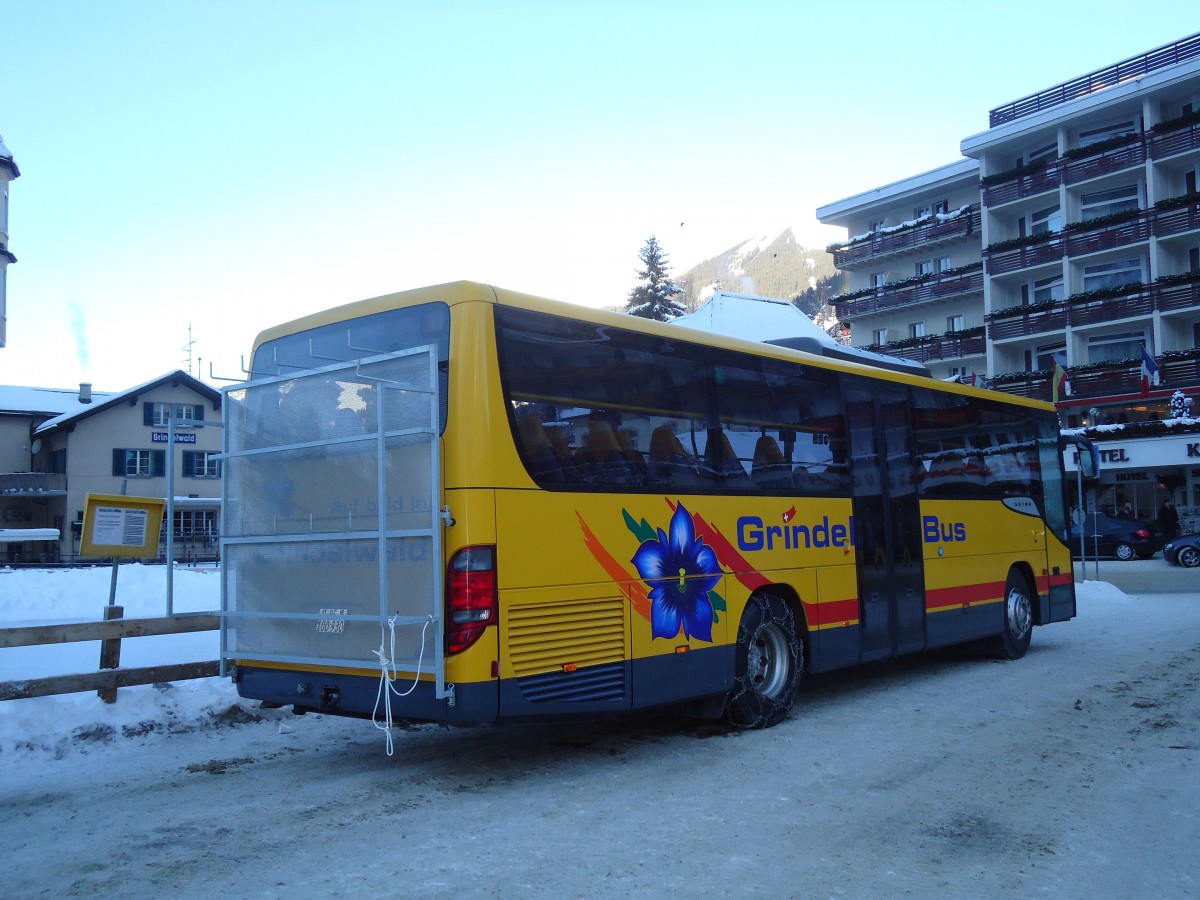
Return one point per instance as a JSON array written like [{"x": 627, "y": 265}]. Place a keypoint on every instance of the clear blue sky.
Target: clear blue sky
[{"x": 231, "y": 165}]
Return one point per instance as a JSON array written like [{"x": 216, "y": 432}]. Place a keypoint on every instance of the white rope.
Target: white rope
[{"x": 387, "y": 674}]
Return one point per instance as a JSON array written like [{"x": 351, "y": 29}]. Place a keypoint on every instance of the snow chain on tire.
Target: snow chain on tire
[{"x": 768, "y": 661}]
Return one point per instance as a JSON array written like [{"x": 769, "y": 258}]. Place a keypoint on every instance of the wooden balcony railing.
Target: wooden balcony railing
[
  {"x": 936, "y": 347},
  {"x": 1078, "y": 241},
  {"x": 926, "y": 234},
  {"x": 1148, "y": 146},
  {"x": 1110, "y": 76},
  {"x": 31, "y": 484},
  {"x": 1093, "y": 312},
  {"x": 1174, "y": 374},
  {"x": 893, "y": 296}
]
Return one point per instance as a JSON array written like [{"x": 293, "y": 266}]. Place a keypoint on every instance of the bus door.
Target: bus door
[{"x": 891, "y": 587}]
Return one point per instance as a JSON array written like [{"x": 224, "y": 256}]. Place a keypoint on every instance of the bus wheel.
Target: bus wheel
[
  {"x": 768, "y": 660},
  {"x": 1013, "y": 641}
]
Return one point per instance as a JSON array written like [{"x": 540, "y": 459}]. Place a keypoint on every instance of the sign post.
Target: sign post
[{"x": 119, "y": 526}]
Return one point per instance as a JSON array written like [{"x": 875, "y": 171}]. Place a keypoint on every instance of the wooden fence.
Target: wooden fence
[{"x": 110, "y": 633}]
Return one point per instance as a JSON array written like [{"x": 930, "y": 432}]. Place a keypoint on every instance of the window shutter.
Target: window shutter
[
  {"x": 147, "y": 413},
  {"x": 189, "y": 464},
  {"x": 198, "y": 412},
  {"x": 119, "y": 463},
  {"x": 158, "y": 463}
]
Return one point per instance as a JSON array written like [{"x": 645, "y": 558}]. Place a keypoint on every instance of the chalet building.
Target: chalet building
[
  {"x": 56, "y": 447},
  {"x": 1059, "y": 259}
]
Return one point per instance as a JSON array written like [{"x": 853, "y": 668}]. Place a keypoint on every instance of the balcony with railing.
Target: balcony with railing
[
  {"x": 1101, "y": 79},
  {"x": 1177, "y": 371},
  {"x": 1090, "y": 309},
  {"x": 924, "y": 233},
  {"x": 1162, "y": 142},
  {"x": 934, "y": 347},
  {"x": 32, "y": 484},
  {"x": 1178, "y": 215},
  {"x": 959, "y": 282}
]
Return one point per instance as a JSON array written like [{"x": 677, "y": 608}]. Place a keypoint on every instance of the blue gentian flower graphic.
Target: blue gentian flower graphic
[{"x": 681, "y": 571}]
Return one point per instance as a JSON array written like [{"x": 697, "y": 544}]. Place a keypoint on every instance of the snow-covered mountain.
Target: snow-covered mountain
[{"x": 769, "y": 266}]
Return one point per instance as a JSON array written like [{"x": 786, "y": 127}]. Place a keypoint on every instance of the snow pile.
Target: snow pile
[{"x": 64, "y": 723}]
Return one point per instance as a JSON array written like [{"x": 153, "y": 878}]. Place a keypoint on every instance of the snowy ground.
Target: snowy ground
[{"x": 1069, "y": 774}]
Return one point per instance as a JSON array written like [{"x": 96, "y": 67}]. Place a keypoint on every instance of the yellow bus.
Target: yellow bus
[{"x": 463, "y": 504}]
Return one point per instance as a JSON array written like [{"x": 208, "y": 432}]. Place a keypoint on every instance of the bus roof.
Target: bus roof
[{"x": 458, "y": 292}]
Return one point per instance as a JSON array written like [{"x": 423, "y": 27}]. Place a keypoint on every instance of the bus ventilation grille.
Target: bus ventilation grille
[{"x": 605, "y": 682}]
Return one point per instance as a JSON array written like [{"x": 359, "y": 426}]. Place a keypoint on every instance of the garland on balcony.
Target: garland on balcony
[
  {"x": 913, "y": 280},
  {"x": 1024, "y": 309},
  {"x": 1177, "y": 123},
  {"x": 1181, "y": 200},
  {"x": 1181, "y": 278},
  {"x": 1180, "y": 355},
  {"x": 905, "y": 343},
  {"x": 1099, "y": 147},
  {"x": 926, "y": 219},
  {"x": 1021, "y": 171}
]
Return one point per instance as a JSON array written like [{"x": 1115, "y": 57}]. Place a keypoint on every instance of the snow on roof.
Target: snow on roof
[
  {"x": 103, "y": 401},
  {"x": 19, "y": 399},
  {"x": 751, "y": 317}
]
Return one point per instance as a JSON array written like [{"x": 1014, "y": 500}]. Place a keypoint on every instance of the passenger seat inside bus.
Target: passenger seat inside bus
[
  {"x": 720, "y": 459},
  {"x": 669, "y": 462},
  {"x": 769, "y": 470},
  {"x": 603, "y": 461},
  {"x": 539, "y": 455}
]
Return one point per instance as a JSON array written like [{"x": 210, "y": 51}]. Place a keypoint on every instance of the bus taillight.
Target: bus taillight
[{"x": 470, "y": 596}]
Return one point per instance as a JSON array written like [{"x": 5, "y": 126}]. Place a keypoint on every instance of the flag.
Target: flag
[
  {"x": 1059, "y": 386},
  {"x": 1149, "y": 371}
]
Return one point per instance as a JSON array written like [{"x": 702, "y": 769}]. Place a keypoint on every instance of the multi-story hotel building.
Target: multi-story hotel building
[{"x": 1070, "y": 231}]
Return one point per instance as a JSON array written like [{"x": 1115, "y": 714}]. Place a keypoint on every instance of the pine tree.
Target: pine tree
[{"x": 656, "y": 297}]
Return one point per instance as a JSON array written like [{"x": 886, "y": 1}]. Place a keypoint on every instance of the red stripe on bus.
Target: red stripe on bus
[{"x": 963, "y": 595}]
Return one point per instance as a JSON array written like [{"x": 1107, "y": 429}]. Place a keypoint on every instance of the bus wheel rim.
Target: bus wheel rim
[
  {"x": 767, "y": 661},
  {"x": 1020, "y": 613}
]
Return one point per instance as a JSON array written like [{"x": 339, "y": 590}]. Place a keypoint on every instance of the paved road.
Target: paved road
[{"x": 1141, "y": 576}]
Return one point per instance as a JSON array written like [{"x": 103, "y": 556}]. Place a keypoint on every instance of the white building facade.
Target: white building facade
[{"x": 1077, "y": 246}]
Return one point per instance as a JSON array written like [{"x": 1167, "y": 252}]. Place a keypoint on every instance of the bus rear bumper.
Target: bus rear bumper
[{"x": 341, "y": 694}]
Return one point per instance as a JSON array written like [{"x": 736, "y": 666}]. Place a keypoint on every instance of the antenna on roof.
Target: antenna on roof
[{"x": 187, "y": 348}]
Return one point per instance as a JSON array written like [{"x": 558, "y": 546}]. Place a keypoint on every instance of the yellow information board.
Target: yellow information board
[{"x": 121, "y": 526}]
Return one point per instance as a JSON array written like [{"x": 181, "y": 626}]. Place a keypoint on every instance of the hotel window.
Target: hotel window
[
  {"x": 1194, "y": 259},
  {"x": 878, "y": 279},
  {"x": 954, "y": 323},
  {"x": 1114, "y": 347},
  {"x": 941, "y": 207},
  {"x": 1048, "y": 152},
  {"x": 1113, "y": 274},
  {"x": 1189, "y": 181},
  {"x": 925, "y": 267},
  {"x": 1043, "y": 357},
  {"x": 1044, "y": 220},
  {"x": 1105, "y": 203},
  {"x": 916, "y": 330},
  {"x": 921, "y": 211},
  {"x": 876, "y": 226},
  {"x": 942, "y": 264},
  {"x": 881, "y": 336},
  {"x": 1116, "y": 129},
  {"x": 1043, "y": 290}
]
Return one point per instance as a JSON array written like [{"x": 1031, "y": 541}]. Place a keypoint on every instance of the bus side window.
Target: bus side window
[
  {"x": 670, "y": 464},
  {"x": 769, "y": 471}
]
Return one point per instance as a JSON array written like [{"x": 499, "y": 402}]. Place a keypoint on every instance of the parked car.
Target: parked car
[
  {"x": 1106, "y": 535},
  {"x": 1183, "y": 551}
]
